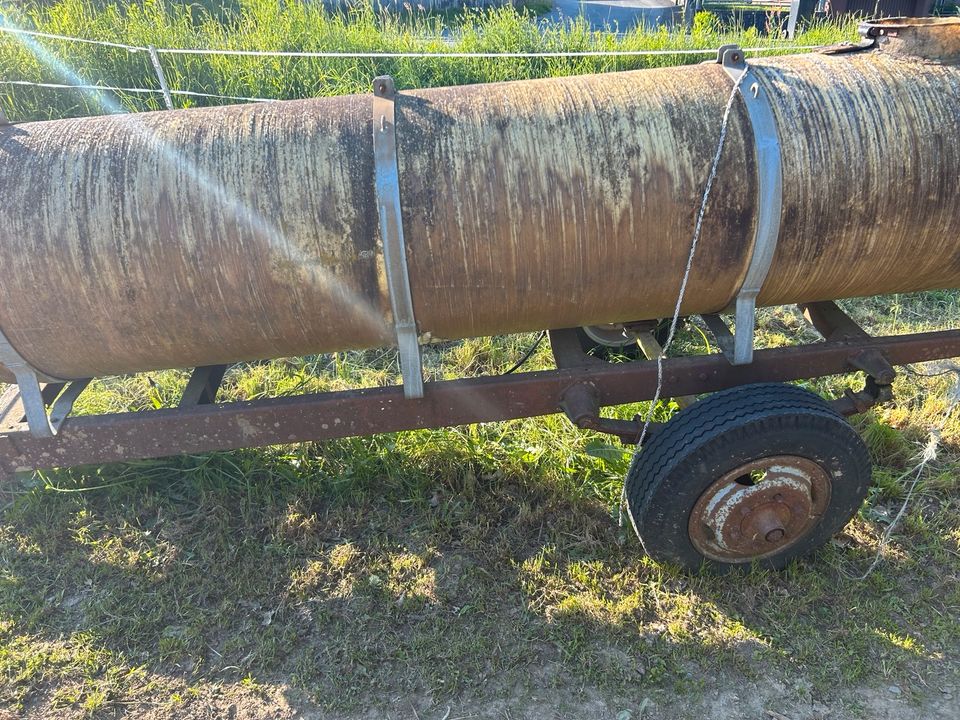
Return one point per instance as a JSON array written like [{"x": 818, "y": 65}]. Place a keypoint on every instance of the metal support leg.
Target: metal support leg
[
  {"x": 203, "y": 385},
  {"x": 721, "y": 333},
  {"x": 31, "y": 392},
  {"x": 58, "y": 397}
]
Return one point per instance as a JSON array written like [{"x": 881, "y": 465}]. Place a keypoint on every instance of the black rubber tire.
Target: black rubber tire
[{"x": 712, "y": 437}]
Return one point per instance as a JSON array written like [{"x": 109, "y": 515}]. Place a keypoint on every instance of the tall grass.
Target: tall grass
[{"x": 269, "y": 25}]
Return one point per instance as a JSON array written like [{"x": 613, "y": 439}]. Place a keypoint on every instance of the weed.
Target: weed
[
  {"x": 268, "y": 25},
  {"x": 465, "y": 562}
]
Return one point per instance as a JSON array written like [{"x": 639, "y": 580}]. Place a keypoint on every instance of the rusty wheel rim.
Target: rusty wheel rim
[{"x": 759, "y": 509}]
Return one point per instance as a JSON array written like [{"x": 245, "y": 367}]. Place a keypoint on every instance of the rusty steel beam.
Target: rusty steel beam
[{"x": 204, "y": 428}]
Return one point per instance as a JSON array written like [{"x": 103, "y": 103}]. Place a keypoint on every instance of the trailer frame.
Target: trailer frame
[{"x": 580, "y": 386}]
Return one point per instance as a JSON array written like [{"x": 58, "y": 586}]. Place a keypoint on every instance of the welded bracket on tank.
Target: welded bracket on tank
[
  {"x": 766, "y": 142},
  {"x": 32, "y": 397},
  {"x": 391, "y": 231}
]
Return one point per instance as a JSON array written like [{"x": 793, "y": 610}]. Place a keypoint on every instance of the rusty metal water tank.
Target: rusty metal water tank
[{"x": 194, "y": 237}]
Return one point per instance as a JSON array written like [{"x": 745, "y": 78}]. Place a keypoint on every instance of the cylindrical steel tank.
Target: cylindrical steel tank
[{"x": 194, "y": 237}]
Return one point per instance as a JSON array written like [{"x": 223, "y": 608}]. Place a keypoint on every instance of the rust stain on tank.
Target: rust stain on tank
[{"x": 215, "y": 235}]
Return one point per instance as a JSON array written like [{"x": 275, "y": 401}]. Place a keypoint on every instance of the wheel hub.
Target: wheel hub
[{"x": 759, "y": 508}]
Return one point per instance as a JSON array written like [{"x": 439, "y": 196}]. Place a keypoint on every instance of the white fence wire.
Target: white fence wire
[
  {"x": 153, "y": 52},
  {"x": 396, "y": 55},
  {"x": 134, "y": 91}
]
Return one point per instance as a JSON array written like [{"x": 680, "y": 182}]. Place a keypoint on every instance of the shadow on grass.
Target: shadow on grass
[{"x": 362, "y": 573}]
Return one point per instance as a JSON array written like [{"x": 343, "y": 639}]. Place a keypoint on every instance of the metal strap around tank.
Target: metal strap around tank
[
  {"x": 28, "y": 382},
  {"x": 391, "y": 232},
  {"x": 766, "y": 142}
]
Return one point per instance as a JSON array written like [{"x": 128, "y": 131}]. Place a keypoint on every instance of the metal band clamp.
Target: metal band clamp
[
  {"x": 32, "y": 397},
  {"x": 391, "y": 232},
  {"x": 766, "y": 142}
]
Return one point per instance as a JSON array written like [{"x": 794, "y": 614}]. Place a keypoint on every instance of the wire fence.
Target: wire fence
[
  {"x": 132, "y": 91},
  {"x": 166, "y": 92},
  {"x": 376, "y": 54}
]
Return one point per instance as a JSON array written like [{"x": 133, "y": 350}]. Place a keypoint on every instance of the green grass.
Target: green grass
[
  {"x": 453, "y": 563},
  {"x": 268, "y": 25},
  {"x": 457, "y": 567}
]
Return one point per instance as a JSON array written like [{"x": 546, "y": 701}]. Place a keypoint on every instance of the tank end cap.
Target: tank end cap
[{"x": 935, "y": 40}]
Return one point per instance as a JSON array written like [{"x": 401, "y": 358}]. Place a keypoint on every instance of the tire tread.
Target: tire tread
[{"x": 698, "y": 425}]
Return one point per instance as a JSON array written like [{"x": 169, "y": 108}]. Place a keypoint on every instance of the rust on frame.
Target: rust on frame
[{"x": 209, "y": 427}]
